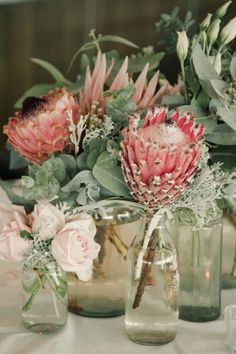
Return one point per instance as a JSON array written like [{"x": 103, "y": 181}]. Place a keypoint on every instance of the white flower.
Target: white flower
[
  {"x": 213, "y": 31},
  {"x": 47, "y": 220},
  {"x": 223, "y": 9},
  {"x": 228, "y": 32},
  {"x": 182, "y": 46},
  {"x": 206, "y": 22}
]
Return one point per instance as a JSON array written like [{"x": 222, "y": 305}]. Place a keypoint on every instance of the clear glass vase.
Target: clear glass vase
[
  {"x": 44, "y": 298},
  {"x": 199, "y": 250},
  {"x": 104, "y": 294},
  {"x": 228, "y": 280},
  {"x": 152, "y": 288}
]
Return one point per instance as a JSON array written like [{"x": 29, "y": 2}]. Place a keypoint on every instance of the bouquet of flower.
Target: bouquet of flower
[
  {"x": 45, "y": 241},
  {"x": 112, "y": 141}
]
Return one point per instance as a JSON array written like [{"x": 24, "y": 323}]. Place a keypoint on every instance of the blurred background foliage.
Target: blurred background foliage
[{"x": 54, "y": 29}]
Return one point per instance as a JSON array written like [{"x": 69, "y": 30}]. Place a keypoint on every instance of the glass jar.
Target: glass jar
[
  {"x": 199, "y": 250},
  {"x": 228, "y": 280},
  {"x": 152, "y": 288},
  {"x": 44, "y": 298},
  {"x": 104, "y": 294}
]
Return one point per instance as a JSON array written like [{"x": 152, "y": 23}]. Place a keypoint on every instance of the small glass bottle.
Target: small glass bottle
[
  {"x": 44, "y": 298},
  {"x": 151, "y": 304},
  {"x": 199, "y": 250}
]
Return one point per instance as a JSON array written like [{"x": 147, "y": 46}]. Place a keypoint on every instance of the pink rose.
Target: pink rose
[
  {"x": 74, "y": 247},
  {"x": 12, "y": 245},
  {"x": 47, "y": 220},
  {"x": 7, "y": 209}
]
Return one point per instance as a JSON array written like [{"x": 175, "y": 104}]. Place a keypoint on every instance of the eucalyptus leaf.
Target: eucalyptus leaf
[
  {"x": 55, "y": 167},
  {"x": 69, "y": 163},
  {"x": 82, "y": 178},
  {"x": 14, "y": 197},
  {"x": 106, "y": 160},
  {"x": 196, "y": 110},
  {"x": 111, "y": 179},
  {"x": 53, "y": 71},
  {"x": 81, "y": 160},
  {"x": 92, "y": 158},
  {"x": 42, "y": 177},
  {"x": 203, "y": 68},
  {"x": 222, "y": 135},
  {"x": 233, "y": 67},
  {"x": 228, "y": 114}
]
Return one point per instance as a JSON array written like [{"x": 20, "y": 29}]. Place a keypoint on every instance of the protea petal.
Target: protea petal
[
  {"x": 161, "y": 157},
  {"x": 42, "y": 127}
]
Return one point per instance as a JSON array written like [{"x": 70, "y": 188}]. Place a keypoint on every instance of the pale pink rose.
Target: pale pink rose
[
  {"x": 74, "y": 247},
  {"x": 7, "y": 209},
  {"x": 12, "y": 245},
  {"x": 47, "y": 220}
]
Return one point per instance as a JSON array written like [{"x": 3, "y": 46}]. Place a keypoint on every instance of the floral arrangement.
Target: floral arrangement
[{"x": 117, "y": 140}]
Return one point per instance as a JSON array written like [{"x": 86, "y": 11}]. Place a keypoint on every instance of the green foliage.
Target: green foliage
[
  {"x": 111, "y": 179},
  {"x": 16, "y": 161},
  {"x": 26, "y": 235},
  {"x": 59, "y": 81},
  {"x": 121, "y": 106},
  {"x": 169, "y": 24},
  {"x": 95, "y": 44}
]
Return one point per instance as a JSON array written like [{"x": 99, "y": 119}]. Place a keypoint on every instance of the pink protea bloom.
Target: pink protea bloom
[
  {"x": 146, "y": 94},
  {"x": 161, "y": 157},
  {"x": 42, "y": 127}
]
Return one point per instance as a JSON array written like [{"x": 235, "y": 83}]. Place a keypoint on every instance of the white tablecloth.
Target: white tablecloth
[{"x": 84, "y": 335}]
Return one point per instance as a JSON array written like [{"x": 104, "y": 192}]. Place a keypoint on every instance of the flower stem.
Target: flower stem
[{"x": 184, "y": 80}]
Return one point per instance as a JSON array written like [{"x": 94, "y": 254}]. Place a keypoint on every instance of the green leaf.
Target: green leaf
[
  {"x": 81, "y": 160},
  {"x": 84, "y": 62},
  {"x": 117, "y": 39},
  {"x": 137, "y": 64},
  {"x": 228, "y": 114},
  {"x": 203, "y": 68},
  {"x": 106, "y": 160},
  {"x": 111, "y": 179},
  {"x": 222, "y": 135},
  {"x": 173, "y": 101},
  {"x": 26, "y": 235},
  {"x": 41, "y": 177},
  {"x": 82, "y": 178},
  {"x": 55, "y": 167},
  {"x": 92, "y": 158},
  {"x": 12, "y": 195},
  {"x": 69, "y": 163},
  {"x": 233, "y": 67},
  {"x": 36, "y": 91},
  {"x": 208, "y": 122},
  {"x": 120, "y": 107},
  {"x": 16, "y": 161},
  {"x": 225, "y": 154},
  {"x": 55, "y": 73},
  {"x": 196, "y": 110}
]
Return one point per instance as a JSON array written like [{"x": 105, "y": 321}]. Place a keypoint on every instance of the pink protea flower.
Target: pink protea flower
[
  {"x": 42, "y": 127},
  {"x": 161, "y": 157},
  {"x": 146, "y": 94}
]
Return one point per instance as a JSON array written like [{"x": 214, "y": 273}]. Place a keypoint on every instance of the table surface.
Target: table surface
[{"x": 84, "y": 335}]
